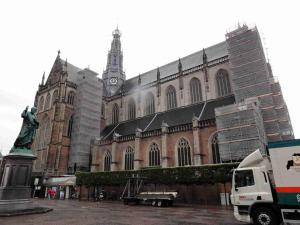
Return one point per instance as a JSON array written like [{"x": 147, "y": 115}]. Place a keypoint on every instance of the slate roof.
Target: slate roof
[
  {"x": 73, "y": 71},
  {"x": 174, "y": 117},
  {"x": 213, "y": 52}
]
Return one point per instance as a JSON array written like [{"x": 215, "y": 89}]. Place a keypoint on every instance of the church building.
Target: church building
[{"x": 215, "y": 105}]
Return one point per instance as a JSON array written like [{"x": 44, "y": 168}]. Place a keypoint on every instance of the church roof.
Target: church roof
[
  {"x": 174, "y": 117},
  {"x": 74, "y": 71},
  {"x": 213, "y": 52},
  {"x": 71, "y": 70}
]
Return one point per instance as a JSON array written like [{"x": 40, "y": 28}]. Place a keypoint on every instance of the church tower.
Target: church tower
[{"x": 114, "y": 76}]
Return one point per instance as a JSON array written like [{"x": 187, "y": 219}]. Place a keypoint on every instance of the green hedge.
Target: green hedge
[{"x": 208, "y": 174}]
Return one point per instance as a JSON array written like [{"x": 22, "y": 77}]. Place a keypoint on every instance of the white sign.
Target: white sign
[{"x": 36, "y": 181}]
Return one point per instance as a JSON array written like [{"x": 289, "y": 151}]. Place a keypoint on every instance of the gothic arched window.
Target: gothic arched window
[
  {"x": 71, "y": 96},
  {"x": 149, "y": 104},
  {"x": 171, "y": 97},
  {"x": 107, "y": 161},
  {"x": 115, "y": 114},
  {"x": 47, "y": 102},
  {"x": 215, "y": 149},
  {"x": 195, "y": 89},
  {"x": 54, "y": 96},
  {"x": 131, "y": 109},
  {"x": 154, "y": 155},
  {"x": 129, "y": 158},
  {"x": 223, "y": 84},
  {"x": 70, "y": 125},
  {"x": 41, "y": 104},
  {"x": 44, "y": 135},
  {"x": 184, "y": 153}
]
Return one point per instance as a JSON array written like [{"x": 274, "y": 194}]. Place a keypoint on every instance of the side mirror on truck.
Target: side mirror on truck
[{"x": 236, "y": 188}]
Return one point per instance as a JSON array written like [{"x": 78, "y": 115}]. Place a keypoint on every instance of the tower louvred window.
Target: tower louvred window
[{"x": 115, "y": 114}]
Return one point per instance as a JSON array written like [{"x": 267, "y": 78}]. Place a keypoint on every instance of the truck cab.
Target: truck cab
[
  {"x": 251, "y": 187},
  {"x": 260, "y": 185}
]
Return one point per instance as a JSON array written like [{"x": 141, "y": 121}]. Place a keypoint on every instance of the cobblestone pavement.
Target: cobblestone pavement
[{"x": 73, "y": 212}]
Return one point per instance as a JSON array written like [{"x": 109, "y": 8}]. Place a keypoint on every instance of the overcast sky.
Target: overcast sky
[{"x": 153, "y": 34}]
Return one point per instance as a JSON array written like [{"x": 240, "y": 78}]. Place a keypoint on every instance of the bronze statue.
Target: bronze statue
[{"x": 27, "y": 133}]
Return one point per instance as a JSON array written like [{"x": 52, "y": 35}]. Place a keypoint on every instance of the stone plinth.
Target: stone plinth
[
  {"x": 15, "y": 190},
  {"x": 16, "y": 175}
]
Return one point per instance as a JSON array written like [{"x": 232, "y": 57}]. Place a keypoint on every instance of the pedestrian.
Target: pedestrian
[
  {"x": 53, "y": 194},
  {"x": 49, "y": 193}
]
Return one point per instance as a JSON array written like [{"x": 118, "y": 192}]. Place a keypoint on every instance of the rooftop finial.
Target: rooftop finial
[
  {"x": 158, "y": 74},
  {"x": 204, "y": 56},
  {"x": 139, "y": 80},
  {"x": 58, "y": 52},
  {"x": 179, "y": 66},
  {"x": 116, "y": 33},
  {"x": 43, "y": 79}
]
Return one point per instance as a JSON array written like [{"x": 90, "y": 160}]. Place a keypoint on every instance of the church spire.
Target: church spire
[
  {"x": 114, "y": 76},
  {"x": 115, "y": 55}
]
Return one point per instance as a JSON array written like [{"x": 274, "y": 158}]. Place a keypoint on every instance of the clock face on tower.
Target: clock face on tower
[{"x": 113, "y": 80}]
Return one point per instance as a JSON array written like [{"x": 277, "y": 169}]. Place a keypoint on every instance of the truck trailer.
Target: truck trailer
[
  {"x": 132, "y": 194},
  {"x": 266, "y": 187}
]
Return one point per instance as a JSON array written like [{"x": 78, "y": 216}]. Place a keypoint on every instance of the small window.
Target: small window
[
  {"x": 71, "y": 96},
  {"x": 244, "y": 178}
]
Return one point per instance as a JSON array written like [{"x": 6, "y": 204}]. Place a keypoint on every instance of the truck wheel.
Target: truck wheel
[
  {"x": 153, "y": 203},
  {"x": 265, "y": 216},
  {"x": 160, "y": 203}
]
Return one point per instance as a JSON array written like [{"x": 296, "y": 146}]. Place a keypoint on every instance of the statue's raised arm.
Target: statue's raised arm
[{"x": 25, "y": 138}]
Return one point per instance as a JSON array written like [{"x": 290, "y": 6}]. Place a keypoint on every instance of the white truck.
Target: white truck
[{"x": 266, "y": 188}]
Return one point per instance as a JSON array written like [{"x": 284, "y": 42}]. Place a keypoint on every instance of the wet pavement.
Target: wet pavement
[{"x": 74, "y": 212}]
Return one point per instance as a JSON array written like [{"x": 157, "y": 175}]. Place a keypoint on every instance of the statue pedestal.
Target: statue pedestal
[{"x": 15, "y": 190}]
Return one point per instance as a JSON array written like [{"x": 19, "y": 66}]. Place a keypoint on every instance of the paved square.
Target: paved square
[{"x": 73, "y": 212}]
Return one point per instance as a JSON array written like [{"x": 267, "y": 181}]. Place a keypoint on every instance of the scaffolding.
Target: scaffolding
[
  {"x": 86, "y": 118},
  {"x": 260, "y": 114},
  {"x": 240, "y": 130},
  {"x": 252, "y": 77}
]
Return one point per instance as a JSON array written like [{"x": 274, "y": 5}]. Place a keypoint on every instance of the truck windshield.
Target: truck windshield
[{"x": 243, "y": 178}]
